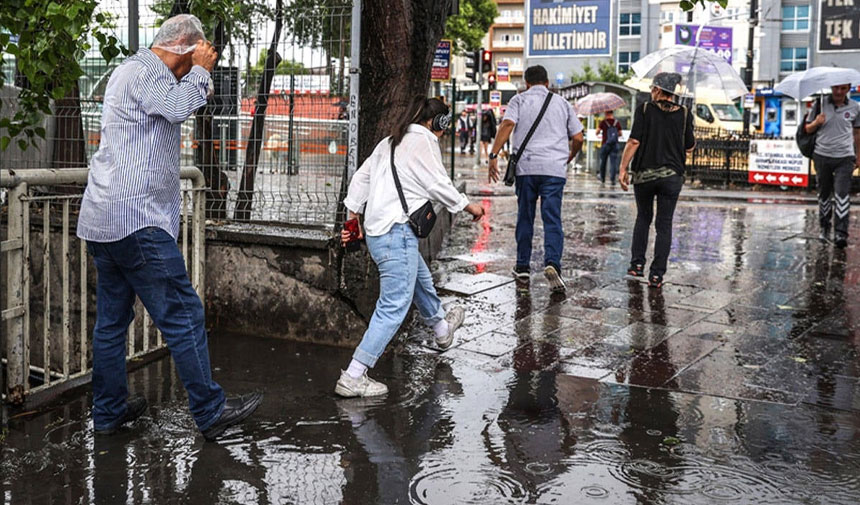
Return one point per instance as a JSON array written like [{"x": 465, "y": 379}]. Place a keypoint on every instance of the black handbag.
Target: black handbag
[
  {"x": 511, "y": 171},
  {"x": 806, "y": 141},
  {"x": 422, "y": 220}
]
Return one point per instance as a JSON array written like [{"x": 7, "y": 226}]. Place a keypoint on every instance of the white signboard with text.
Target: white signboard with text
[{"x": 777, "y": 162}]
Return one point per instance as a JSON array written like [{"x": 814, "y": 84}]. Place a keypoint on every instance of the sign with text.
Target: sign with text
[
  {"x": 569, "y": 28},
  {"x": 716, "y": 39},
  {"x": 777, "y": 162},
  {"x": 495, "y": 98},
  {"x": 839, "y": 25},
  {"x": 441, "y": 70},
  {"x": 502, "y": 71}
]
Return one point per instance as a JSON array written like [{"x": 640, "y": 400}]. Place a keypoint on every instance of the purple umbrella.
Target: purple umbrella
[{"x": 597, "y": 103}]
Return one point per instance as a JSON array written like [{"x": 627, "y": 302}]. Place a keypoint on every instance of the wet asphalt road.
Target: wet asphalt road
[{"x": 738, "y": 383}]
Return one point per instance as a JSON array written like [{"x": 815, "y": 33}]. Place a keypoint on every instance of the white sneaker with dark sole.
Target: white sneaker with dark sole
[
  {"x": 455, "y": 317},
  {"x": 364, "y": 386},
  {"x": 556, "y": 282}
]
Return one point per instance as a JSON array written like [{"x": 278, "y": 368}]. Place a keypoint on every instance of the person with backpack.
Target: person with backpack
[
  {"x": 402, "y": 178},
  {"x": 656, "y": 153},
  {"x": 835, "y": 121},
  {"x": 610, "y": 131}
]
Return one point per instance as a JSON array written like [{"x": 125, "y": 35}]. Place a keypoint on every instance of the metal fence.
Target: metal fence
[
  {"x": 290, "y": 168},
  {"x": 722, "y": 156},
  {"x": 48, "y": 302}
]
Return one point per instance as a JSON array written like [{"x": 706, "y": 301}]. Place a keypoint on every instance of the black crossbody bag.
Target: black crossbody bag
[
  {"x": 422, "y": 220},
  {"x": 806, "y": 141},
  {"x": 511, "y": 172}
]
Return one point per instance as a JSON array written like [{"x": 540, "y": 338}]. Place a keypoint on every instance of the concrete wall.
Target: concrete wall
[{"x": 294, "y": 284}]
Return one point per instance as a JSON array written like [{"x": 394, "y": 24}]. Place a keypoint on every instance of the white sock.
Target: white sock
[
  {"x": 356, "y": 369},
  {"x": 441, "y": 328}
]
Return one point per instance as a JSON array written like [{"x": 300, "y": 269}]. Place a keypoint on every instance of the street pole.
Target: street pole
[
  {"x": 453, "y": 123},
  {"x": 354, "y": 72},
  {"x": 479, "y": 78},
  {"x": 133, "y": 26},
  {"x": 748, "y": 71}
]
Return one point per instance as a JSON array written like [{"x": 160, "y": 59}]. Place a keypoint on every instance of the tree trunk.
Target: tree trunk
[
  {"x": 398, "y": 40},
  {"x": 245, "y": 198}
]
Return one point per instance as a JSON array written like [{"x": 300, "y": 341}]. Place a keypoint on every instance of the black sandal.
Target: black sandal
[
  {"x": 655, "y": 281},
  {"x": 636, "y": 270}
]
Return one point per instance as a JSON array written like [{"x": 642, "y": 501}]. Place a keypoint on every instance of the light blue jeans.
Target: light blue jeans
[{"x": 403, "y": 278}]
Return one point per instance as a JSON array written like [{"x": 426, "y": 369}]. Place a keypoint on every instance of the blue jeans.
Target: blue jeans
[
  {"x": 403, "y": 278},
  {"x": 550, "y": 190},
  {"x": 609, "y": 151},
  {"x": 148, "y": 264}
]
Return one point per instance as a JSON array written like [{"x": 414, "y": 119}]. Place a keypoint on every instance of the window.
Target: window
[
  {"x": 517, "y": 63},
  {"x": 795, "y": 18},
  {"x": 630, "y": 24},
  {"x": 704, "y": 113},
  {"x": 793, "y": 59},
  {"x": 667, "y": 17},
  {"x": 625, "y": 59}
]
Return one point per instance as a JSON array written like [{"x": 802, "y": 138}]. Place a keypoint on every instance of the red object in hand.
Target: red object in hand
[{"x": 354, "y": 229}]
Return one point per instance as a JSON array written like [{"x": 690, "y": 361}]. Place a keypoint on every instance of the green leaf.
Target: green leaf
[
  {"x": 4, "y": 143},
  {"x": 687, "y": 5},
  {"x": 22, "y": 144},
  {"x": 40, "y": 131}
]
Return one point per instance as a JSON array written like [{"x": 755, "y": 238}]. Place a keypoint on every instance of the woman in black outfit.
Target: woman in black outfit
[
  {"x": 488, "y": 131},
  {"x": 661, "y": 137}
]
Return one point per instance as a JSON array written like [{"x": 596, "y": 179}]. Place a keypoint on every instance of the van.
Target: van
[{"x": 710, "y": 110}]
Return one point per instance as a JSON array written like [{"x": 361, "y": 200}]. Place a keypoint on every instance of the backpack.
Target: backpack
[
  {"x": 611, "y": 133},
  {"x": 806, "y": 141}
]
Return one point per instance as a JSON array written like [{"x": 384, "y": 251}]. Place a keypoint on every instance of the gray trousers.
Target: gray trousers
[{"x": 834, "y": 187}]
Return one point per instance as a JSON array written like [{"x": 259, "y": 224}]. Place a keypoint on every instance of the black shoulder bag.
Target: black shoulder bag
[
  {"x": 422, "y": 220},
  {"x": 511, "y": 172},
  {"x": 806, "y": 141}
]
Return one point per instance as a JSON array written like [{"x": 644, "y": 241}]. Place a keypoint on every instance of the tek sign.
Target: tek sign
[
  {"x": 839, "y": 28},
  {"x": 569, "y": 28},
  {"x": 777, "y": 162}
]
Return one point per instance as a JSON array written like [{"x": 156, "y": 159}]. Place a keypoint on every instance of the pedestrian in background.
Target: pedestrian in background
[
  {"x": 464, "y": 130},
  {"x": 837, "y": 155},
  {"x": 130, "y": 220},
  {"x": 403, "y": 274},
  {"x": 488, "y": 131},
  {"x": 660, "y": 139},
  {"x": 610, "y": 133},
  {"x": 541, "y": 168}
]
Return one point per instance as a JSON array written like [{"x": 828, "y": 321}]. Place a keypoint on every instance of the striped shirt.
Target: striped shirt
[{"x": 134, "y": 176}]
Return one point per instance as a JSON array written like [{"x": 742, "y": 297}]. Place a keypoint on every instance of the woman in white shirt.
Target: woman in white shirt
[{"x": 403, "y": 275}]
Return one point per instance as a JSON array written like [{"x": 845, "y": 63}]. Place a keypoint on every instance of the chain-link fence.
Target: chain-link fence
[{"x": 275, "y": 153}]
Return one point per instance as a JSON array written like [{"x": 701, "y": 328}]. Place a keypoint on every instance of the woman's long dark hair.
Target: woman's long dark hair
[{"x": 420, "y": 110}]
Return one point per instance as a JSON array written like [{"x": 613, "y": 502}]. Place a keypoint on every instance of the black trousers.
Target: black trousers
[
  {"x": 834, "y": 187},
  {"x": 666, "y": 191}
]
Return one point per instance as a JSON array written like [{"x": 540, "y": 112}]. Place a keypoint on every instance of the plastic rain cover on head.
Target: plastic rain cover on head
[{"x": 179, "y": 34}]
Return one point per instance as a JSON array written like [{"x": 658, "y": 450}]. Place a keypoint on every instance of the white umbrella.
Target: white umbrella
[
  {"x": 803, "y": 84},
  {"x": 700, "y": 69}
]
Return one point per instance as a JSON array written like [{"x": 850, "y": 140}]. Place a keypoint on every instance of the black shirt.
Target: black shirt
[{"x": 662, "y": 137}]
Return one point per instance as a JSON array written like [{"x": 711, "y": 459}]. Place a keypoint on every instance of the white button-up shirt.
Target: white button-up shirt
[
  {"x": 422, "y": 176},
  {"x": 134, "y": 177}
]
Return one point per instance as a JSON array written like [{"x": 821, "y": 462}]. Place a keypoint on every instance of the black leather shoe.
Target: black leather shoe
[
  {"x": 136, "y": 407},
  {"x": 235, "y": 411},
  {"x": 841, "y": 242}
]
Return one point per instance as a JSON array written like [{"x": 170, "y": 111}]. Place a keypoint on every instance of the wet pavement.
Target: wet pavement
[{"x": 738, "y": 383}]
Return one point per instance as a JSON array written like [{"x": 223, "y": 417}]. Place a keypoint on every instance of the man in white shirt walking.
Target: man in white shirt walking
[{"x": 542, "y": 169}]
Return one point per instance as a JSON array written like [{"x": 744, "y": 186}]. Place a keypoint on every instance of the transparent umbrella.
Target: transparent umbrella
[{"x": 702, "y": 71}]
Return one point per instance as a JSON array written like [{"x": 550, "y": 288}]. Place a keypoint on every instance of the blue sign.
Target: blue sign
[
  {"x": 569, "y": 28},
  {"x": 559, "y": 78}
]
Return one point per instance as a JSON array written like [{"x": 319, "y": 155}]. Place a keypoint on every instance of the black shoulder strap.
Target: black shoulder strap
[
  {"x": 531, "y": 132},
  {"x": 397, "y": 181}
]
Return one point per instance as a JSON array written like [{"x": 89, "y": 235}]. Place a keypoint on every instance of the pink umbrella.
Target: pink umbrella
[{"x": 597, "y": 103}]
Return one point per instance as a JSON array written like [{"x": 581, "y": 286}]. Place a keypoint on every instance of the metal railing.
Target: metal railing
[{"x": 40, "y": 246}]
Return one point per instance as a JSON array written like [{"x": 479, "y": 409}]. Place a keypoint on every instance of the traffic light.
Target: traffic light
[
  {"x": 491, "y": 81},
  {"x": 487, "y": 59},
  {"x": 472, "y": 59}
]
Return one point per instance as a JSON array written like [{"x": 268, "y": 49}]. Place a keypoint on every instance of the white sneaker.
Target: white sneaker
[
  {"x": 454, "y": 317},
  {"x": 556, "y": 283},
  {"x": 363, "y": 386}
]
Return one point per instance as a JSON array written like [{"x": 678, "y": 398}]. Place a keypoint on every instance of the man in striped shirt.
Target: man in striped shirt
[{"x": 130, "y": 220}]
